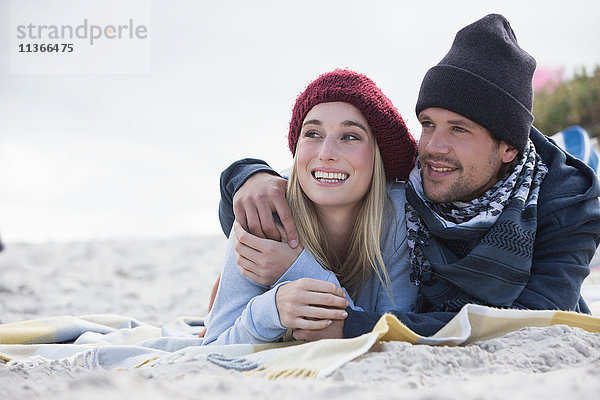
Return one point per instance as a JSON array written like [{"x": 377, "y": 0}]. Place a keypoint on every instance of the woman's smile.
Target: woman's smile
[{"x": 329, "y": 177}]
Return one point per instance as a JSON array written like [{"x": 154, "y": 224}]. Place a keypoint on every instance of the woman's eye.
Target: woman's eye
[
  {"x": 311, "y": 134},
  {"x": 350, "y": 136}
]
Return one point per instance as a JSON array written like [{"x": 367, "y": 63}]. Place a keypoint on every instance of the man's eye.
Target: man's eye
[
  {"x": 459, "y": 129},
  {"x": 426, "y": 124}
]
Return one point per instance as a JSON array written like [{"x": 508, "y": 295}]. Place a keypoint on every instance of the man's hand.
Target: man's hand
[
  {"x": 255, "y": 202},
  {"x": 333, "y": 331},
  {"x": 263, "y": 261},
  {"x": 310, "y": 304}
]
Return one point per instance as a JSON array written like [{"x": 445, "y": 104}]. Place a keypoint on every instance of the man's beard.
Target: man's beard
[{"x": 461, "y": 189}]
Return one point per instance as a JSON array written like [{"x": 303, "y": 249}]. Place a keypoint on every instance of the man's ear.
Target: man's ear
[{"x": 508, "y": 152}]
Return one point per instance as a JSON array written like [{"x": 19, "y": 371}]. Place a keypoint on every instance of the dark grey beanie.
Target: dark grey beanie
[{"x": 487, "y": 78}]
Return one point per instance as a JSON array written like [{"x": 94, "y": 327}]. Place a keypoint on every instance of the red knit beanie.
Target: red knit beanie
[{"x": 398, "y": 148}]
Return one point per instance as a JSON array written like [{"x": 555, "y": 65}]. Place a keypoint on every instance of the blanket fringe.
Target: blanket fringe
[
  {"x": 288, "y": 373},
  {"x": 148, "y": 361}
]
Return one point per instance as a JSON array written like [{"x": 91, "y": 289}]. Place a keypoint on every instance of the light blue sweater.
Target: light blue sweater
[{"x": 245, "y": 311}]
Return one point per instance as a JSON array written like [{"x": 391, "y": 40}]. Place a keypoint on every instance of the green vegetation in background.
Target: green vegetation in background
[{"x": 573, "y": 102}]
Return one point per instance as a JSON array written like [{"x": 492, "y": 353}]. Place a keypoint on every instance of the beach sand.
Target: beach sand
[{"x": 156, "y": 281}]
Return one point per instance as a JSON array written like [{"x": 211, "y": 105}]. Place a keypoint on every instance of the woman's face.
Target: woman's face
[{"x": 335, "y": 155}]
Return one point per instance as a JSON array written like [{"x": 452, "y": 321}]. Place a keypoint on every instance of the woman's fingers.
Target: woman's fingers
[
  {"x": 310, "y": 304},
  {"x": 332, "y": 331},
  {"x": 244, "y": 258},
  {"x": 270, "y": 258},
  {"x": 312, "y": 317},
  {"x": 317, "y": 313},
  {"x": 322, "y": 287},
  {"x": 248, "y": 269},
  {"x": 320, "y": 299},
  {"x": 244, "y": 237},
  {"x": 241, "y": 248},
  {"x": 309, "y": 325}
]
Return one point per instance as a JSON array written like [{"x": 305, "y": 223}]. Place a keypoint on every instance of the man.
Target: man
[{"x": 496, "y": 213}]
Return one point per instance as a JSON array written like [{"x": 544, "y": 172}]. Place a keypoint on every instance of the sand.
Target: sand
[{"x": 156, "y": 281}]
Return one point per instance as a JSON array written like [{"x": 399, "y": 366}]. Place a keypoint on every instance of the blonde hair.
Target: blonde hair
[{"x": 364, "y": 252}]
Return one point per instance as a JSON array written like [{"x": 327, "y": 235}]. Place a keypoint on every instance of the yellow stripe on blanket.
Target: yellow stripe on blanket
[
  {"x": 105, "y": 346},
  {"x": 583, "y": 321},
  {"x": 61, "y": 328},
  {"x": 318, "y": 359},
  {"x": 312, "y": 359},
  {"x": 472, "y": 324},
  {"x": 389, "y": 328},
  {"x": 27, "y": 332}
]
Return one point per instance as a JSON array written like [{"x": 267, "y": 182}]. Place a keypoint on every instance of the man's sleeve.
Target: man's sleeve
[
  {"x": 561, "y": 258},
  {"x": 231, "y": 180},
  {"x": 426, "y": 324}
]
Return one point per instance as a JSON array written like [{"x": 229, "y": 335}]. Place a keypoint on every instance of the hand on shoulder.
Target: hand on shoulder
[
  {"x": 255, "y": 202},
  {"x": 263, "y": 261}
]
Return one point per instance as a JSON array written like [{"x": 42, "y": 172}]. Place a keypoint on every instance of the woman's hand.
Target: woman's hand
[
  {"x": 333, "y": 331},
  {"x": 310, "y": 304},
  {"x": 263, "y": 261}
]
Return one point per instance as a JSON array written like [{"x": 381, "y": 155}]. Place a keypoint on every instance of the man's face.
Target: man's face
[{"x": 459, "y": 158}]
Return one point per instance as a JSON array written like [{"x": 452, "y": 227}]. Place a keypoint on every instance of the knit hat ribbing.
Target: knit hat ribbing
[
  {"x": 396, "y": 145},
  {"x": 487, "y": 78}
]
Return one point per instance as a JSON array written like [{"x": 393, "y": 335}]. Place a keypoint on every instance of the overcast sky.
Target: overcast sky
[{"x": 97, "y": 156}]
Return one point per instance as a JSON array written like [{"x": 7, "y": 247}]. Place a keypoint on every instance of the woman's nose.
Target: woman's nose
[{"x": 328, "y": 150}]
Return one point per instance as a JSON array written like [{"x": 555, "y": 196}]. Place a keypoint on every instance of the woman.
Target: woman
[{"x": 347, "y": 140}]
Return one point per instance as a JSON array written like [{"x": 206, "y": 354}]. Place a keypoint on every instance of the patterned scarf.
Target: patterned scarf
[{"x": 463, "y": 249}]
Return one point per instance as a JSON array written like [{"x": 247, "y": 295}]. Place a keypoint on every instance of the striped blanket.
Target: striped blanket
[{"x": 112, "y": 341}]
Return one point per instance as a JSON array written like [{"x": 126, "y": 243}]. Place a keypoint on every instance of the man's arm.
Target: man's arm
[
  {"x": 256, "y": 193},
  {"x": 564, "y": 248},
  {"x": 361, "y": 322},
  {"x": 232, "y": 179},
  {"x": 426, "y": 324},
  {"x": 561, "y": 259},
  {"x": 568, "y": 231}
]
